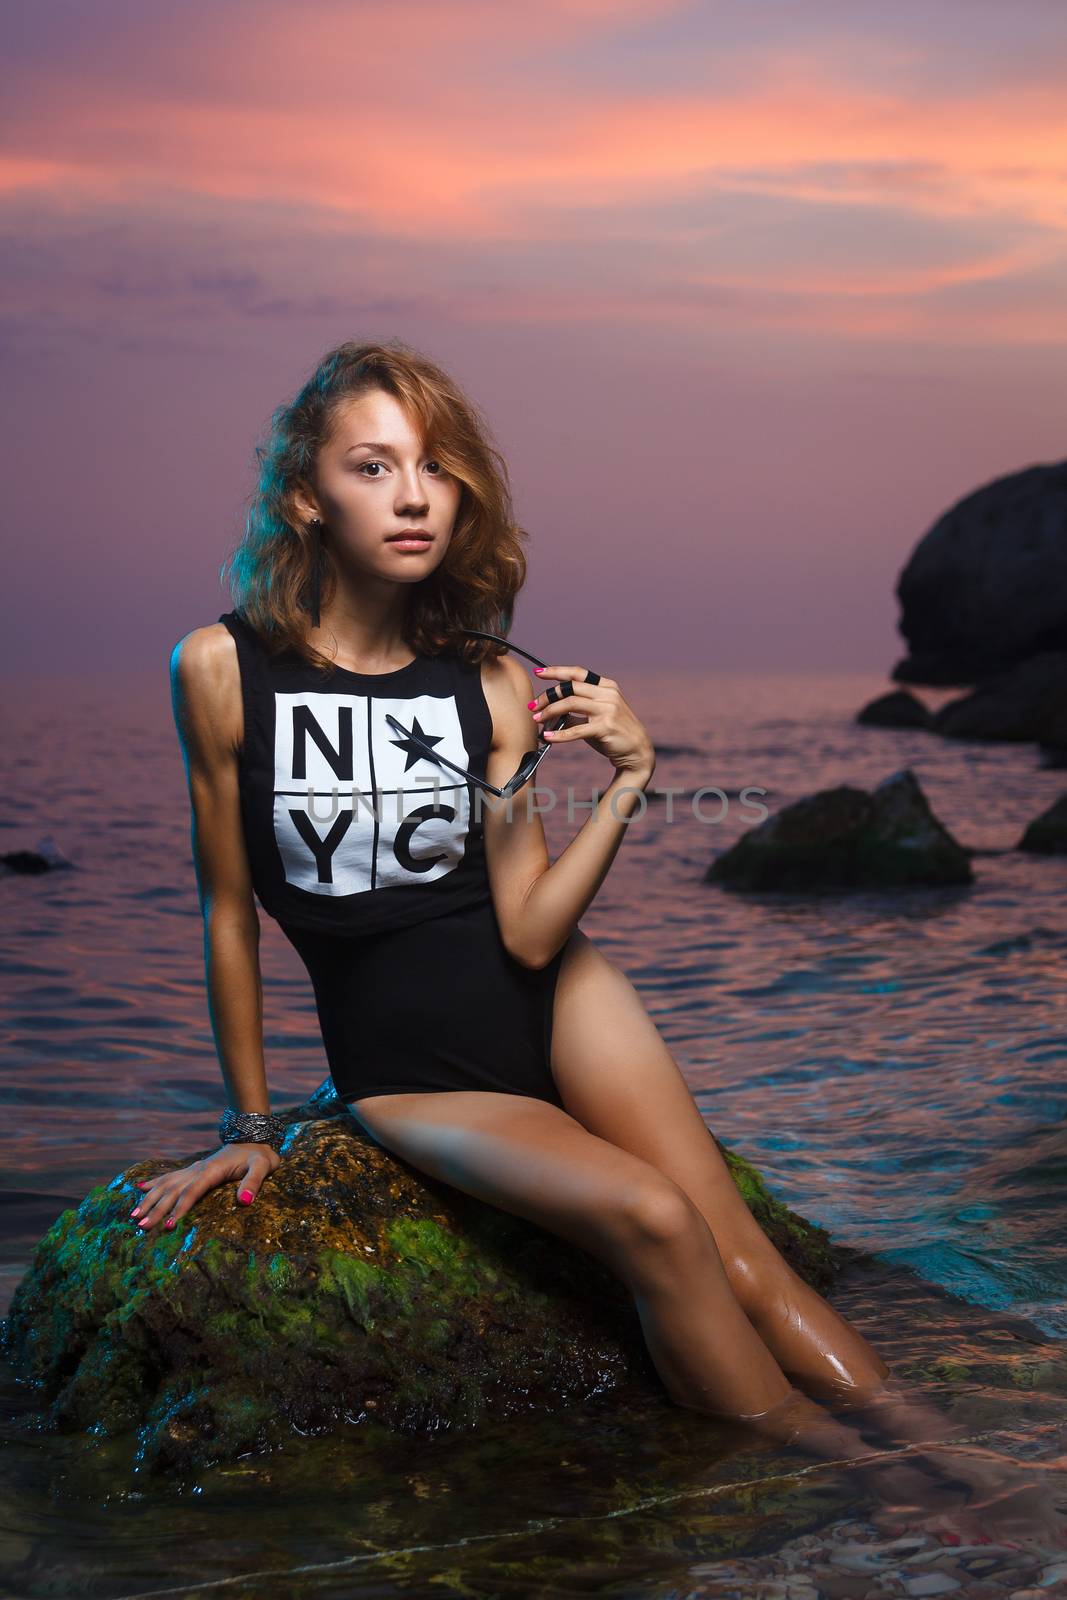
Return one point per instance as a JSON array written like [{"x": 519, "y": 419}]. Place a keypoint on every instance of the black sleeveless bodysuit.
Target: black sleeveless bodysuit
[{"x": 371, "y": 858}]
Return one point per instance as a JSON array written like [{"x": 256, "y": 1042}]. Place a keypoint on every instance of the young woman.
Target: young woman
[{"x": 341, "y": 728}]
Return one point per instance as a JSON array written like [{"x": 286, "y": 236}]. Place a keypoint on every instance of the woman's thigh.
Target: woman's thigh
[
  {"x": 616, "y": 1077},
  {"x": 529, "y": 1157}
]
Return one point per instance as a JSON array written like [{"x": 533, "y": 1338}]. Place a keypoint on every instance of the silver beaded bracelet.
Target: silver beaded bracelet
[{"x": 252, "y": 1127}]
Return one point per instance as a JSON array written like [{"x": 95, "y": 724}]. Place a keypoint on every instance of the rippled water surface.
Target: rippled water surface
[{"x": 893, "y": 1062}]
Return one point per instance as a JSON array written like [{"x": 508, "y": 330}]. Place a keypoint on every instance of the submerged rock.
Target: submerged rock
[
  {"x": 46, "y": 858},
  {"x": 25, "y": 861},
  {"x": 1047, "y": 834},
  {"x": 353, "y": 1288},
  {"x": 897, "y": 709},
  {"x": 847, "y": 838},
  {"x": 1028, "y": 702}
]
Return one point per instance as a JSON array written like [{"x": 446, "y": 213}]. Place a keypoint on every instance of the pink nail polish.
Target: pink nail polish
[
  {"x": 246, "y": 1197},
  {"x": 169, "y": 1222},
  {"x": 530, "y": 704},
  {"x": 136, "y": 1212},
  {"x": 539, "y": 672}
]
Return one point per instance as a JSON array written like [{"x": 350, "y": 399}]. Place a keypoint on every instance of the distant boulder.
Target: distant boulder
[
  {"x": 1047, "y": 834},
  {"x": 847, "y": 838},
  {"x": 986, "y": 587},
  {"x": 1028, "y": 702},
  {"x": 897, "y": 709}
]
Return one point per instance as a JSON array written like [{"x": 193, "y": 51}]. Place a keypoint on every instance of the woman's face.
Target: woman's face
[{"x": 374, "y": 481}]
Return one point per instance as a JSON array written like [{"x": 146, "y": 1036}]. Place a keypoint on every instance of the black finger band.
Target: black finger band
[{"x": 592, "y": 677}]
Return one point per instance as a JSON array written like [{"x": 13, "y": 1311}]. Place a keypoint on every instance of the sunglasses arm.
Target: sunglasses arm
[
  {"x": 436, "y": 756},
  {"x": 497, "y": 639}
]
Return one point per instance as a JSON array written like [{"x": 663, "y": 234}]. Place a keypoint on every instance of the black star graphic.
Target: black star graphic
[{"x": 415, "y": 752}]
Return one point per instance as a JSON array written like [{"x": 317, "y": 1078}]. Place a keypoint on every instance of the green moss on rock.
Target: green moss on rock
[{"x": 355, "y": 1287}]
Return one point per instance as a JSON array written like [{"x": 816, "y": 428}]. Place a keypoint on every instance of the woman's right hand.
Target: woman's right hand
[{"x": 171, "y": 1194}]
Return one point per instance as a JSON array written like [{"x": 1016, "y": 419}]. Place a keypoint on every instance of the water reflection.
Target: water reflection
[{"x": 892, "y": 1062}]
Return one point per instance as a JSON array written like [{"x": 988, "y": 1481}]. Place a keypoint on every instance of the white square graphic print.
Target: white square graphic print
[{"x": 355, "y": 804}]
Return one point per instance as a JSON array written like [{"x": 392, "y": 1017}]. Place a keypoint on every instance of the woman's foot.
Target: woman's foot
[
  {"x": 974, "y": 1506},
  {"x": 973, "y": 1494},
  {"x": 797, "y": 1421}
]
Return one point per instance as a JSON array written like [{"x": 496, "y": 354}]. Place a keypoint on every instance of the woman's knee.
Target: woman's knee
[
  {"x": 534, "y": 1160},
  {"x": 655, "y": 1214}
]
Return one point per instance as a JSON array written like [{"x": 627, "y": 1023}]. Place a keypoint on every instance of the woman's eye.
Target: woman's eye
[{"x": 367, "y": 464}]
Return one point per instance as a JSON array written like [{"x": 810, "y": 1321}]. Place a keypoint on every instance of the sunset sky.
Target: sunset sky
[{"x": 750, "y": 293}]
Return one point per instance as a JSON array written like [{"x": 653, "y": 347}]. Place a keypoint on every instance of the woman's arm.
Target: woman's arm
[
  {"x": 538, "y": 905},
  {"x": 206, "y": 696}
]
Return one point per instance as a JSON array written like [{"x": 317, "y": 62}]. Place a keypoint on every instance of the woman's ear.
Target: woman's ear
[{"x": 304, "y": 505}]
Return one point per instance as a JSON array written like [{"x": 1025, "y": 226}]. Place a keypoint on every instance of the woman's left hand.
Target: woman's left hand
[{"x": 603, "y": 719}]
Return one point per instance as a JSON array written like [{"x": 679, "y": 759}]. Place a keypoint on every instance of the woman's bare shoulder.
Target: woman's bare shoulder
[
  {"x": 507, "y": 692},
  {"x": 206, "y": 684},
  {"x": 205, "y": 649}
]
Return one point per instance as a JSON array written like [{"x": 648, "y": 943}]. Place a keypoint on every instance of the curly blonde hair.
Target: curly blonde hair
[{"x": 270, "y": 572}]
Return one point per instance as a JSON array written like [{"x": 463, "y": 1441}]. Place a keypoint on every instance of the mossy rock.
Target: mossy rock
[
  {"x": 847, "y": 838},
  {"x": 353, "y": 1288}
]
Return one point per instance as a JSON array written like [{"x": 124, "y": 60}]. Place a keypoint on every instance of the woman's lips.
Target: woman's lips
[{"x": 411, "y": 541}]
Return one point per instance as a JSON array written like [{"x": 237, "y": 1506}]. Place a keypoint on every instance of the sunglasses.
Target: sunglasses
[{"x": 531, "y": 760}]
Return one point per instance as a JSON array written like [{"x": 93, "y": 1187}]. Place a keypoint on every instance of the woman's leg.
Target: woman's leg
[
  {"x": 527, "y": 1156},
  {"x": 617, "y": 1078},
  {"x": 531, "y": 1158}
]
